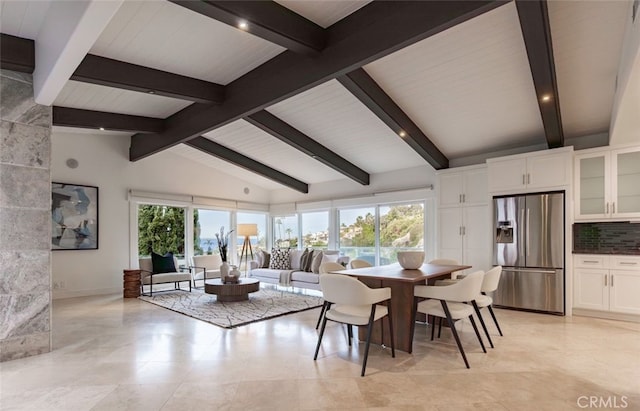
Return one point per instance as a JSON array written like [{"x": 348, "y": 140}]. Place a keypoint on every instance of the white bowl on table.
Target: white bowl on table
[{"x": 411, "y": 260}]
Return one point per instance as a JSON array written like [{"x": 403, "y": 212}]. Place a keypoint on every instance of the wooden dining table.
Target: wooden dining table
[{"x": 401, "y": 282}]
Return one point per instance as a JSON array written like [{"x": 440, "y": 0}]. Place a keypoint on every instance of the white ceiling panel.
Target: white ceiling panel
[
  {"x": 165, "y": 36},
  {"x": 587, "y": 42},
  {"x": 192, "y": 154},
  {"x": 323, "y": 12},
  {"x": 333, "y": 117},
  {"x": 469, "y": 88},
  {"x": 22, "y": 18},
  {"x": 254, "y": 143},
  {"x": 101, "y": 98}
]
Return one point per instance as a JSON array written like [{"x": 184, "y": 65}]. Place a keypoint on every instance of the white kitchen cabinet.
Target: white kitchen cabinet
[
  {"x": 467, "y": 187},
  {"x": 540, "y": 171},
  {"x": 606, "y": 184},
  {"x": 607, "y": 283},
  {"x": 464, "y": 218},
  {"x": 464, "y": 235}
]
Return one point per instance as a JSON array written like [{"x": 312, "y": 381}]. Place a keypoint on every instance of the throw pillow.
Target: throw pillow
[
  {"x": 295, "y": 257},
  {"x": 330, "y": 258},
  {"x": 306, "y": 265},
  {"x": 280, "y": 259},
  {"x": 303, "y": 259},
  {"x": 259, "y": 258},
  {"x": 317, "y": 260},
  {"x": 162, "y": 263},
  {"x": 266, "y": 259}
]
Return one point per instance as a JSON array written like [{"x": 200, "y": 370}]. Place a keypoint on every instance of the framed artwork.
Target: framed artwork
[{"x": 74, "y": 217}]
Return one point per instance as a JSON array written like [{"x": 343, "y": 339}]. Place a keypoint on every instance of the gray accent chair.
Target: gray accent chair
[
  {"x": 205, "y": 267},
  {"x": 149, "y": 278}
]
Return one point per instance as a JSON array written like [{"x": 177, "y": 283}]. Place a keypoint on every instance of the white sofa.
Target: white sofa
[
  {"x": 295, "y": 277},
  {"x": 149, "y": 278}
]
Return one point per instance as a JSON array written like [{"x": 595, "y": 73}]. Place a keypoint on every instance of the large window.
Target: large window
[
  {"x": 161, "y": 229},
  {"x": 257, "y": 241},
  {"x": 285, "y": 231},
  {"x": 206, "y": 224},
  {"x": 357, "y": 233},
  {"x": 315, "y": 230},
  {"x": 401, "y": 228}
]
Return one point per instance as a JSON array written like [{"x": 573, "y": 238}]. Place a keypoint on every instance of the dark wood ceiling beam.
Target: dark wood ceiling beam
[
  {"x": 217, "y": 150},
  {"x": 362, "y": 86},
  {"x": 298, "y": 140},
  {"x": 113, "y": 73},
  {"x": 374, "y": 31},
  {"x": 17, "y": 54},
  {"x": 73, "y": 117},
  {"x": 266, "y": 19},
  {"x": 536, "y": 31}
]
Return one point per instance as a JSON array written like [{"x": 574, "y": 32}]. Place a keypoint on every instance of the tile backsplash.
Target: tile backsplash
[{"x": 607, "y": 238}]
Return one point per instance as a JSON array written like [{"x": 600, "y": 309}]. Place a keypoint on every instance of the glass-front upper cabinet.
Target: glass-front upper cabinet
[
  {"x": 608, "y": 184},
  {"x": 626, "y": 188},
  {"x": 592, "y": 185}
]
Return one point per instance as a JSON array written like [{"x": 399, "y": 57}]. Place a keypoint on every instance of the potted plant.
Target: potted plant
[{"x": 223, "y": 244}]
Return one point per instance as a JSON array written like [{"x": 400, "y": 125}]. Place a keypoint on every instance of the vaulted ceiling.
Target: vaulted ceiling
[{"x": 292, "y": 93}]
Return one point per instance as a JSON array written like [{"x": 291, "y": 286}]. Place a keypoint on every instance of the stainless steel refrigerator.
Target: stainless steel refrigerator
[{"x": 529, "y": 245}]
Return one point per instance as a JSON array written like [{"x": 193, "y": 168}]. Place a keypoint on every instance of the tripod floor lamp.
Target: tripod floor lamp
[{"x": 247, "y": 230}]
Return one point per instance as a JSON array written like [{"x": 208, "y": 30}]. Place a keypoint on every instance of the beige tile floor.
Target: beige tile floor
[{"x": 115, "y": 354}]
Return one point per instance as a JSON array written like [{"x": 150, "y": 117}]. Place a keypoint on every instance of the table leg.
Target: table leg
[{"x": 402, "y": 311}]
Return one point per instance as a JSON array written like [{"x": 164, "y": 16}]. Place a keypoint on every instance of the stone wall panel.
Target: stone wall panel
[
  {"x": 25, "y": 145},
  {"x": 24, "y": 187},
  {"x": 24, "y": 272}
]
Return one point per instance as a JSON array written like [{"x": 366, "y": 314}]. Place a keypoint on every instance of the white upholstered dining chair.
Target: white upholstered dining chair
[
  {"x": 326, "y": 268},
  {"x": 489, "y": 284},
  {"x": 449, "y": 302},
  {"x": 360, "y": 263},
  {"x": 353, "y": 303}
]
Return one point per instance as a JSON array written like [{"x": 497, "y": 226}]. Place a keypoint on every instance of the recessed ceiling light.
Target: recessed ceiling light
[
  {"x": 151, "y": 92},
  {"x": 402, "y": 133},
  {"x": 101, "y": 128},
  {"x": 546, "y": 97},
  {"x": 243, "y": 25}
]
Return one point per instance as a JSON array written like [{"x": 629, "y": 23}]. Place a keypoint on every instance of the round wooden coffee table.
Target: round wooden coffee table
[{"x": 232, "y": 292}]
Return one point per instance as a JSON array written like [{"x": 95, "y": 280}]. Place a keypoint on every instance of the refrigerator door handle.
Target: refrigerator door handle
[
  {"x": 530, "y": 270},
  {"x": 528, "y": 247}
]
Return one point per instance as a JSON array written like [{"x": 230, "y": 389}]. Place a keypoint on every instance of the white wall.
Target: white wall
[{"x": 104, "y": 162}]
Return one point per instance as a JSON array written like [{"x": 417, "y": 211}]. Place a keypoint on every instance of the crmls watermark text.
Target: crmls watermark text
[{"x": 595, "y": 401}]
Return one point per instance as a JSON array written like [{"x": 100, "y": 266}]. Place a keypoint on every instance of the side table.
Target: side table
[{"x": 131, "y": 283}]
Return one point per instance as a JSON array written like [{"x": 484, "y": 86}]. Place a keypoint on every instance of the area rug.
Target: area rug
[{"x": 262, "y": 305}]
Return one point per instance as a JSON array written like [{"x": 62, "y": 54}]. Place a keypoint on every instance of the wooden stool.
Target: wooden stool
[{"x": 131, "y": 283}]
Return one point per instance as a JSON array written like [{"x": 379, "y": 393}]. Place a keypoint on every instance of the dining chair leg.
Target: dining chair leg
[
  {"x": 393, "y": 344},
  {"x": 439, "y": 326},
  {"x": 484, "y": 326},
  {"x": 453, "y": 330},
  {"x": 475, "y": 328},
  {"x": 494, "y": 319},
  {"x": 350, "y": 333},
  {"x": 369, "y": 330},
  {"x": 433, "y": 327},
  {"x": 322, "y": 311},
  {"x": 324, "y": 324}
]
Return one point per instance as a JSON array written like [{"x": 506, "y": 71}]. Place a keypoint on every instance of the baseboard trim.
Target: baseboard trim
[
  {"x": 606, "y": 315},
  {"x": 61, "y": 294}
]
